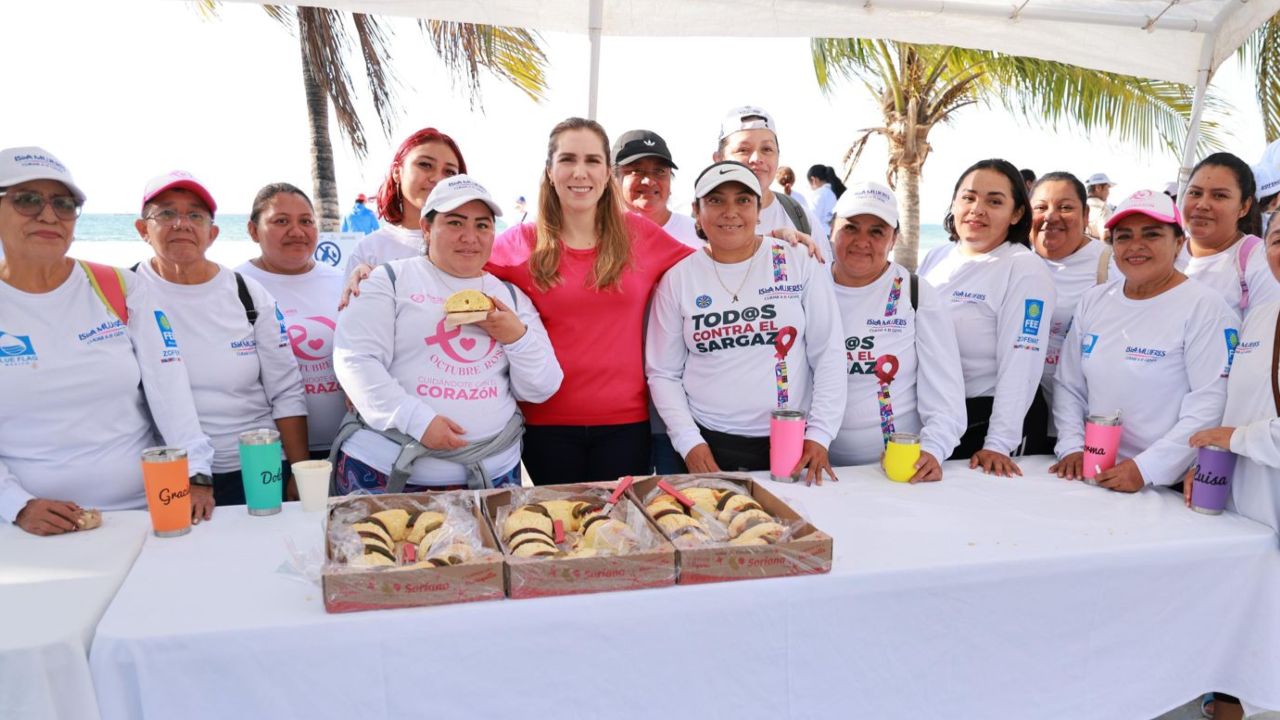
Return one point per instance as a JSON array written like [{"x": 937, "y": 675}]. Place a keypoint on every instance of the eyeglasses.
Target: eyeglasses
[
  {"x": 655, "y": 174},
  {"x": 173, "y": 217},
  {"x": 31, "y": 204}
]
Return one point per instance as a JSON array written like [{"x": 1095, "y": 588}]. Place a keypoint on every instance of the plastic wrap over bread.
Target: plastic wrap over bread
[
  {"x": 436, "y": 530},
  {"x": 727, "y": 526}
]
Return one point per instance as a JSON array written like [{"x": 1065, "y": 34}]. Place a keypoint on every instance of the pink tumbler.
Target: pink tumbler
[
  {"x": 1101, "y": 443},
  {"x": 786, "y": 443}
]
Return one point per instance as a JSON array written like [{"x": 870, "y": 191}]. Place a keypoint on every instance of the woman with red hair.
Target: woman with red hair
[{"x": 424, "y": 159}]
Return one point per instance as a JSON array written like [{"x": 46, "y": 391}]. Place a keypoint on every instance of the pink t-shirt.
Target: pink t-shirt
[{"x": 597, "y": 335}]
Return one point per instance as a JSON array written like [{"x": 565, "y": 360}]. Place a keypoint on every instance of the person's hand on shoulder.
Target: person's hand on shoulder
[{"x": 352, "y": 289}]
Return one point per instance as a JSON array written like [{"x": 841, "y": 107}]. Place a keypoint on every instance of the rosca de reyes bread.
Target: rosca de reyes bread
[
  {"x": 529, "y": 530},
  {"x": 467, "y": 306},
  {"x": 389, "y": 537},
  {"x": 745, "y": 521}
]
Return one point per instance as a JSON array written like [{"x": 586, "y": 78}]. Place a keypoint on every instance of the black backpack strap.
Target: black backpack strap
[
  {"x": 250, "y": 312},
  {"x": 915, "y": 291},
  {"x": 391, "y": 274},
  {"x": 512, "y": 290},
  {"x": 797, "y": 214},
  {"x": 136, "y": 266}
]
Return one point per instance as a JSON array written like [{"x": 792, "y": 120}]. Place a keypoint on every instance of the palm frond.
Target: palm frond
[
  {"x": 377, "y": 68},
  {"x": 1151, "y": 114},
  {"x": 1262, "y": 53},
  {"x": 323, "y": 37},
  {"x": 512, "y": 54}
]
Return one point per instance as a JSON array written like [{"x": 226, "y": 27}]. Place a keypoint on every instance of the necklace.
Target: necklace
[
  {"x": 440, "y": 275},
  {"x": 715, "y": 266}
]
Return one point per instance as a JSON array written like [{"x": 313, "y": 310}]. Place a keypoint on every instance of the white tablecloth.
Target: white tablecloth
[
  {"x": 52, "y": 592},
  {"x": 973, "y": 597}
]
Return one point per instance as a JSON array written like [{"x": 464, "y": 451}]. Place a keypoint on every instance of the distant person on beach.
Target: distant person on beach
[
  {"x": 748, "y": 135},
  {"x": 1223, "y": 222},
  {"x": 1028, "y": 177},
  {"x": 643, "y": 165},
  {"x": 1098, "y": 185},
  {"x": 90, "y": 372},
  {"x": 283, "y": 223},
  {"x": 422, "y": 160},
  {"x": 823, "y": 194},
  {"x": 236, "y": 345},
  {"x": 1000, "y": 296},
  {"x": 361, "y": 219}
]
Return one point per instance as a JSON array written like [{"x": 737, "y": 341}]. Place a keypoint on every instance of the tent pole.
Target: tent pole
[
  {"x": 596, "y": 21},
  {"x": 1203, "y": 75}
]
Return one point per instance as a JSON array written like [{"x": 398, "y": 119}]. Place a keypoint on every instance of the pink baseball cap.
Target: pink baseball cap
[
  {"x": 178, "y": 180},
  {"x": 1153, "y": 204}
]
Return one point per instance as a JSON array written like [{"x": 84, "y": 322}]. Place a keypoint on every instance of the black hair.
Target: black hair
[
  {"x": 268, "y": 192},
  {"x": 827, "y": 174},
  {"x": 1019, "y": 232},
  {"x": 1028, "y": 175},
  {"x": 1251, "y": 222},
  {"x": 1063, "y": 176}
]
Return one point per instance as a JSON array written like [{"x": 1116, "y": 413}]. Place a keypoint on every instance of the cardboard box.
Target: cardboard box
[
  {"x": 544, "y": 577},
  {"x": 808, "y": 552},
  {"x": 348, "y": 589}
]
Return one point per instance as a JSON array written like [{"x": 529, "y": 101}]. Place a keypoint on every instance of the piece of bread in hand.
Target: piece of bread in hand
[{"x": 466, "y": 306}]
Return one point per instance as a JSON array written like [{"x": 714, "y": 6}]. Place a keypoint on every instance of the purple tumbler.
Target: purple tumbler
[{"x": 1212, "y": 484}]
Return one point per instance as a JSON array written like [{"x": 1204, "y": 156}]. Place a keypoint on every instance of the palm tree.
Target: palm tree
[
  {"x": 920, "y": 86},
  {"x": 324, "y": 42},
  {"x": 1262, "y": 52}
]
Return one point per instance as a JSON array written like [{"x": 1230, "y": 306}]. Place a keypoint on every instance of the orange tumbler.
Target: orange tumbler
[{"x": 168, "y": 488}]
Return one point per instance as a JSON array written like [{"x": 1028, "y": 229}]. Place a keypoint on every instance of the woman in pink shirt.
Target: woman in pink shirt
[{"x": 590, "y": 268}]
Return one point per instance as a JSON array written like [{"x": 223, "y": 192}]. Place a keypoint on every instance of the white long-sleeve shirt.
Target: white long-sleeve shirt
[
  {"x": 1251, "y": 410},
  {"x": 711, "y": 361},
  {"x": 242, "y": 377},
  {"x": 1221, "y": 271},
  {"x": 387, "y": 243},
  {"x": 401, "y": 367},
  {"x": 309, "y": 303},
  {"x": 823, "y": 203},
  {"x": 1161, "y": 362},
  {"x": 999, "y": 302},
  {"x": 927, "y": 392},
  {"x": 79, "y": 392}
]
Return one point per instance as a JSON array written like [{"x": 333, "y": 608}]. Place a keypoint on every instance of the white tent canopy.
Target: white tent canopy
[{"x": 1179, "y": 40}]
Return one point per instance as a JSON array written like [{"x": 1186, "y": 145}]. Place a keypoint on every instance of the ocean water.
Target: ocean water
[{"x": 112, "y": 239}]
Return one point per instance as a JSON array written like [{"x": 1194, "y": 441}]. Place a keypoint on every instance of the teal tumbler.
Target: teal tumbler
[{"x": 261, "y": 469}]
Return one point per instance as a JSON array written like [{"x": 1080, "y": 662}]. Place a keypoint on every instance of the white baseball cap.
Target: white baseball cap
[
  {"x": 454, "y": 192},
  {"x": 24, "y": 164},
  {"x": 1098, "y": 179},
  {"x": 723, "y": 172},
  {"x": 1267, "y": 177},
  {"x": 868, "y": 198},
  {"x": 1151, "y": 203},
  {"x": 178, "y": 180},
  {"x": 747, "y": 117}
]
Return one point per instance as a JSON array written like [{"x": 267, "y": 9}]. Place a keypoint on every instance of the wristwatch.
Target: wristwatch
[{"x": 202, "y": 479}]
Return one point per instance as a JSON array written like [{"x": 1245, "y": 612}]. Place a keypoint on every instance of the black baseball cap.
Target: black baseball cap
[{"x": 635, "y": 144}]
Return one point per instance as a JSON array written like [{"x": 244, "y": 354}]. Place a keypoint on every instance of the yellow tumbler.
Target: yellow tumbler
[{"x": 900, "y": 456}]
